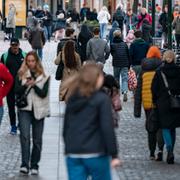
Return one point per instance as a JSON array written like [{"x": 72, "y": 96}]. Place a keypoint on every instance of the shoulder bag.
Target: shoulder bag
[{"x": 174, "y": 99}]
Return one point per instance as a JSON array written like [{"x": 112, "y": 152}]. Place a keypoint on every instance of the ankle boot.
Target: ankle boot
[{"x": 170, "y": 157}]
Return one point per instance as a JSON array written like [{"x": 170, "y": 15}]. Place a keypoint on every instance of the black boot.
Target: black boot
[
  {"x": 170, "y": 157},
  {"x": 159, "y": 156}
]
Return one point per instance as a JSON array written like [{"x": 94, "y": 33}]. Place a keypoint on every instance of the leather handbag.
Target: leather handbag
[
  {"x": 174, "y": 99},
  {"x": 21, "y": 100}
]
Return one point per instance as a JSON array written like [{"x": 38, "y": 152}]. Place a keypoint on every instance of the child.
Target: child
[{"x": 130, "y": 37}]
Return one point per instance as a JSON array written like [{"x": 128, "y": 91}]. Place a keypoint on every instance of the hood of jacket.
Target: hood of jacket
[
  {"x": 115, "y": 24},
  {"x": 139, "y": 41},
  {"x": 150, "y": 64}
]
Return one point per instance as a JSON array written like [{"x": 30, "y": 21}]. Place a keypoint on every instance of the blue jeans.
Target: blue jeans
[
  {"x": 123, "y": 73},
  {"x": 26, "y": 119},
  {"x": 103, "y": 27},
  {"x": 48, "y": 32},
  {"x": 169, "y": 136},
  {"x": 39, "y": 52},
  {"x": 1, "y": 113},
  {"x": 81, "y": 168}
]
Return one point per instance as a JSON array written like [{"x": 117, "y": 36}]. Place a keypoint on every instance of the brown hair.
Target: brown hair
[
  {"x": 96, "y": 31},
  {"x": 88, "y": 76},
  {"x": 24, "y": 67},
  {"x": 69, "y": 54},
  {"x": 69, "y": 32}
]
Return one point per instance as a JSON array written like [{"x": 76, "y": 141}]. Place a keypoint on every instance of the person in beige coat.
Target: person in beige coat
[
  {"x": 72, "y": 64},
  {"x": 11, "y": 20}
]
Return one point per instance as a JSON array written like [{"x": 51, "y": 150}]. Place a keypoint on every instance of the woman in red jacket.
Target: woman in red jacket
[{"x": 6, "y": 81}]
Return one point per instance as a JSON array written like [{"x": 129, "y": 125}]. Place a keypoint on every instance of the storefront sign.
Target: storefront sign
[{"x": 20, "y": 11}]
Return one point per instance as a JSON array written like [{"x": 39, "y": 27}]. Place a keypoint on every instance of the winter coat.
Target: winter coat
[
  {"x": 82, "y": 43},
  {"x": 92, "y": 117},
  {"x": 120, "y": 53},
  {"x": 146, "y": 32},
  {"x": 47, "y": 19},
  {"x": 6, "y": 81},
  {"x": 176, "y": 25},
  {"x": 67, "y": 73},
  {"x": 163, "y": 20},
  {"x": 59, "y": 24},
  {"x": 97, "y": 50},
  {"x": 119, "y": 17},
  {"x": 131, "y": 22},
  {"x": 168, "y": 118},
  {"x": 143, "y": 92},
  {"x": 11, "y": 22},
  {"x": 37, "y": 38},
  {"x": 115, "y": 26},
  {"x": 141, "y": 18},
  {"x": 13, "y": 61},
  {"x": 138, "y": 50},
  {"x": 38, "y": 97},
  {"x": 103, "y": 17}
]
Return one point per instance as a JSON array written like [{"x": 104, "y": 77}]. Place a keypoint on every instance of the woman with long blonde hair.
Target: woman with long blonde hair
[{"x": 34, "y": 82}]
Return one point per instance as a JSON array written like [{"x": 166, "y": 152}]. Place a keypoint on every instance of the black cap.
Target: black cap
[{"x": 14, "y": 41}]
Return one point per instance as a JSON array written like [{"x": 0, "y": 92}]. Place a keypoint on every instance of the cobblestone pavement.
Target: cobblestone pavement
[{"x": 131, "y": 136}]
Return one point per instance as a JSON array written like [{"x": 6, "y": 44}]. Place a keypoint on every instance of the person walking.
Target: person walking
[
  {"x": 143, "y": 95},
  {"x": 146, "y": 31},
  {"x": 88, "y": 102},
  {"x": 37, "y": 39},
  {"x": 11, "y": 20},
  {"x": 84, "y": 36},
  {"x": 163, "y": 20},
  {"x": 47, "y": 22},
  {"x": 168, "y": 117},
  {"x": 130, "y": 20},
  {"x": 6, "y": 81},
  {"x": 120, "y": 62},
  {"x": 115, "y": 26},
  {"x": 119, "y": 17},
  {"x": 69, "y": 35},
  {"x": 138, "y": 50},
  {"x": 31, "y": 77},
  {"x": 71, "y": 65},
  {"x": 176, "y": 26},
  {"x": 13, "y": 59},
  {"x": 103, "y": 18},
  {"x": 97, "y": 48},
  {"x": 142, "y": 16}
]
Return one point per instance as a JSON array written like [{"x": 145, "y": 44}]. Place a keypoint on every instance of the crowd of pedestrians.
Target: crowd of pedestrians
[{"x": 92, "y": 97}]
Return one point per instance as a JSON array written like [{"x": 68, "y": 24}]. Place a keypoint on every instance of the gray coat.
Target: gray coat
[
  {"x": 11, "y": 18},
  {"x": 97, "y": 50}
]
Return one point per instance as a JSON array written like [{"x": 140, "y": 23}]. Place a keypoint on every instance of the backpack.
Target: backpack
[{"x": 5, "y": 56}]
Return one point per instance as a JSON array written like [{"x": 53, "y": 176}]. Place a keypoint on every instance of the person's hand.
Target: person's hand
[
  {"x": 30, "y": 82},
  {"x": 116, "y": 162}
]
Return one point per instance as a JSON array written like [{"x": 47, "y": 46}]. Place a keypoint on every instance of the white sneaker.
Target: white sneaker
[
  {"x": 34, "y": 172},
  {"x": 24, "y": 170}
]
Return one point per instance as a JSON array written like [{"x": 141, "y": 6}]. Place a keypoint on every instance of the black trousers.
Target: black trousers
[
  {"x": 154, "y": 138},
  {"x": 11, "y": 107}
]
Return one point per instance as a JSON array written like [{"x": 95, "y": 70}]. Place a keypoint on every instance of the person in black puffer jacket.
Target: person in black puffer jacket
[{"x": 120, "y": 54}]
